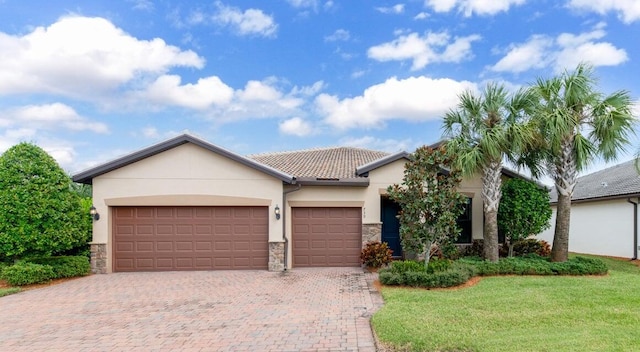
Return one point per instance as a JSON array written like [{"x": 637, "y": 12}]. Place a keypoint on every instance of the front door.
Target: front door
[{"x": 391, "y": 225}]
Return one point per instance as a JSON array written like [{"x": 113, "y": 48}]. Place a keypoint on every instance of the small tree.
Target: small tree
[
  {"x": 40, "y": 214},
  {"x": 429, "y": 201},
  {"x": 524, "y": 210}
]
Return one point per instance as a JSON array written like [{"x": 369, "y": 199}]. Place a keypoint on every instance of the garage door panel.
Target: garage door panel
[
  {"x": 190, "y": 238},
  {"x": 326, "y": 236}
]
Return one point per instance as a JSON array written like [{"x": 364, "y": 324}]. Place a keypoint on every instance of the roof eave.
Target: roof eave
[
  {"x": 601, "y": 198},
  {"x": 342, "y": 182},
  {"x": 87, "y": 176},
  {"x": 363, "y": 169}
]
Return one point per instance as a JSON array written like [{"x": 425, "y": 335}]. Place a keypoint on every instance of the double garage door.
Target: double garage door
[
  {"x": 210, "y": 238},
  {"x": 190, "y": 238}
]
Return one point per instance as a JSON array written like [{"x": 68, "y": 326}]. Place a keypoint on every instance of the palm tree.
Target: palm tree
[
  {"x": 481, "y": 132},
  {"x": 578, "y": 124}
]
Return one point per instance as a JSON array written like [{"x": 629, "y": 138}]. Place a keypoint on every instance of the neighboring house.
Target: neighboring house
[
  {"x": 604, "y": 213},
  {"x": 186, "y": 204}
]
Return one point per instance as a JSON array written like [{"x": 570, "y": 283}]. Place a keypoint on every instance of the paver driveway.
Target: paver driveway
[{"x": 304, "y": 309}]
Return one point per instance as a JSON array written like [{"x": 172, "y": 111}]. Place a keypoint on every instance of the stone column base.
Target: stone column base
[
  {"x": 371, "y": 232},
  {"x": 98, "y": 258},
  {"x": 276, "y": 256}
]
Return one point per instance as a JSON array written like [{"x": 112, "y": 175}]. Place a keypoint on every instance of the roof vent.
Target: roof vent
[{"x": 604, "y": 184}]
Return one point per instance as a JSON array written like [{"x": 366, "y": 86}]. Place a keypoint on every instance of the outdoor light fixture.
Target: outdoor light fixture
[
  {"x": 94, "y": 213},
  {"x": 277, "y": 212}
]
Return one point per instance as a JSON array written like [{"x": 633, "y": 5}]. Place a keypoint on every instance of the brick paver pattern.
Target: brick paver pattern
[{"x": 323, "y": 309}]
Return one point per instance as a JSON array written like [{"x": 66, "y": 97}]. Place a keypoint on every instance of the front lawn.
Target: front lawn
[
  {"x": 517, "y": 313},
  {"x": 5, "y": 291}
]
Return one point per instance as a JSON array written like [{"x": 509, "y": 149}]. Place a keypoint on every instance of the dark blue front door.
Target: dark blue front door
[{"x": 391, "y": 225}]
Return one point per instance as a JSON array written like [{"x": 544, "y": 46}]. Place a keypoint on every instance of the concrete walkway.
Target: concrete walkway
[{"x": 300, "y": 310}]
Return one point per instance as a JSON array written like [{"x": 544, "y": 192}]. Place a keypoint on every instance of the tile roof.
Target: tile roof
[
  {"x": 324, "y": 163},
  {"x": 617, "y": 181}
]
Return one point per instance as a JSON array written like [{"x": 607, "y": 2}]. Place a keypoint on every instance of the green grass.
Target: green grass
[
  {"x": 518, "y": 313},
  {"x": 9, "y": 291}
]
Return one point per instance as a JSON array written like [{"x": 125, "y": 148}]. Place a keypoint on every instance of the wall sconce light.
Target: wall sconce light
[
  {"x": 277, "y": 212},
  {"x": 94, "y": 213}
]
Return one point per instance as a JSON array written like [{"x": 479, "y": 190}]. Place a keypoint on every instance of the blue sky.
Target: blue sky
[{"x": 91, "y": 81}]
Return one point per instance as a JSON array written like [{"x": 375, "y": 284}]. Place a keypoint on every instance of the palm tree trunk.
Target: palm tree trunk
[
  {"x": 565, "y": 180},
  {"x": 560, "y": 249},
  {"x": 491, "y": 179}
]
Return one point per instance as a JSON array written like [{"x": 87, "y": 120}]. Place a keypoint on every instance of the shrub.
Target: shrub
[
  {"x": 39, "y": 212},
  {"x": 436, "y": 265},
  {"x": 376, "y": 254},
  {"x": 24, "y": 273},
  {"x": 414, "y": 274},
  {"x": 580, "y": 266},
  {"x": 532, "y": 264},
  {"x": 65, "y": 266},
  {"x": 532, "y": 246},
  {"x": 475, "y": 250},
  {"x": 402, "y": 266}
]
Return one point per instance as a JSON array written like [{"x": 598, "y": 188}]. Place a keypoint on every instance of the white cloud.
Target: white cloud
[
  {"x": 526, "y": 56},
  {"x": 373, "y": 143},
  {"x": 415, "y": 99},
  {"x": 296, "y": 126},
  {"x": 50, "y": 117},
  {"x": 469, "y": 7},
  {"x": 166, "y": 90},
  {"x": 423, "y": 50},
  {"x": 421, "y": 16},
  {"x": 628, "y": 10},
  {"x": 247, "y": 22},
  {"x": 562, "y": 52},
  {"x": 77, "y": 55},
  {"x": 303, "y": 3},
  {"x": 338, "y": 35},
  {"x": 144, "y": 5},
  {"x": 150, "y": 132},
  {"x": 395, "y": 9}
]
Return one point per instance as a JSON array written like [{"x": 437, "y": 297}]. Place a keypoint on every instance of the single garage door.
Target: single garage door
[
  {"x": 326, "y": 236},
  {"x": 190, "y": 238}
]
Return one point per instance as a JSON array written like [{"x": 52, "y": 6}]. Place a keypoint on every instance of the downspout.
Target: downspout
[
  {"x": 284, "y": 222},
  {"x": 635, "y": 227}
]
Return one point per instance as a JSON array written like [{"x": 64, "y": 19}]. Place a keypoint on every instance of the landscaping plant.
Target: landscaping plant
[
  {"x": 429, "y": 201},
  {"x": 376, "y": 254},
  {"x": 40, "y": 214},
  {"x": 524, "y": 211}
]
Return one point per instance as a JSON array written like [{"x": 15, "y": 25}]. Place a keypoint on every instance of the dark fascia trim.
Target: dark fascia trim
[
  {"x": 514, "y": 174},
  {"x": 597, "y": 199},
  {"x": 363, "y": 169},
  {"x": 87, "y": 176},
  {"x": 343, "y": 182}
]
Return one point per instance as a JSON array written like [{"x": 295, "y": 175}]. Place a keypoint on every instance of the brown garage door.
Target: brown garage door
[
  {"x": 326, "y": 236},
  {"x": 189, "y": 238}
]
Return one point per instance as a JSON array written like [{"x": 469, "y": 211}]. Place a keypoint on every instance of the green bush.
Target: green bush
[
  {"x": 580, "y": 266},
  {"x": 475, "y": 250},
  {"x": 414, "y": 274},
  {"x": 376, "y": 254},
  {"x": 24, "y": 273},
  {"x": 65, "y": 266},
  {"x": 402, "y": 266},
  {"x": 532, "y": 246},
  {"x": 436, "y": 265},
  {"x": 4, "y": 265},
  {"x": 533, "y": 264}
]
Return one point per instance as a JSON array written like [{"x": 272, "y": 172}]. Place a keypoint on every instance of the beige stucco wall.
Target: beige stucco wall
[
  {"x": 602, "y": 228},
  {"x": 184, "y": 175}
]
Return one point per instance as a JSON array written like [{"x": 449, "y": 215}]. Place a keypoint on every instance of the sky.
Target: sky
[{"x": 90, "y": 81}]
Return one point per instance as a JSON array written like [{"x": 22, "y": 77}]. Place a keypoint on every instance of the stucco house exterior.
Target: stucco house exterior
[
  {"x": 187, "y": 204},
  {"x": 604, "y": 213}
]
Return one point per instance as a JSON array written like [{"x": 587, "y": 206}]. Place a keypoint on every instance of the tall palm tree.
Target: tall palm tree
[
  {"x": 578, "y": 124},
  {"x": 481, "y": 132}
]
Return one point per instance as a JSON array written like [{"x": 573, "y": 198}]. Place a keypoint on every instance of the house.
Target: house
[
  {"x": 186, "y": 204},
  {"x": 604, "y": 213}
]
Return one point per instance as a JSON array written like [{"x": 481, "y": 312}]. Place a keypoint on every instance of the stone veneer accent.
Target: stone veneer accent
[
  {"x": 276, "y": 256},
  {"x": 98, "y": 258},
  {"x": 371, "y": 232}
]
